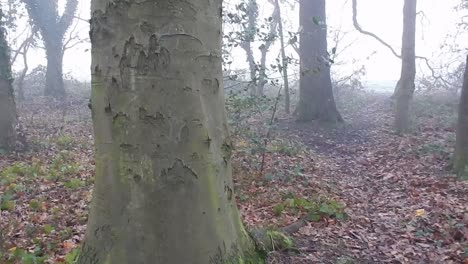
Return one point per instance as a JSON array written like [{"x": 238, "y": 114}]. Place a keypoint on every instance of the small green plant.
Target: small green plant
[
  {"x": 6, "y": 203},
  {"x": 24, "y": 257},
  {"x": 74, "y": 184},
  {"x": 72, "y": 256},
  {"x": 48, "y": 229},
  {"x": 278, "y": 209},
  {"x": 34, "y": 204},
  {"x": 327, "y": 208},
  {"x": 279, "y": 240}
]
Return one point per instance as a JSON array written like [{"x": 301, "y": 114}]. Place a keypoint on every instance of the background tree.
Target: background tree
[
  {"x": 265, "y": 48},
  {"x": 7, "y": 102},
  {"x": 406, "y": 86},
  {"x": 160, "y": 196},
  {"x": 461, "y": 145},
  {"x": 44, "y": 14},
  {"x": 284, "y": 58},
  {"x": 316, "y": 100},
  {"x": 250, "y": 8}
]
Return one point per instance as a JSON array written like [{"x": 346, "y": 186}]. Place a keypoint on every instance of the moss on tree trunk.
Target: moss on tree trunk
[
  {"x": 7, "y": 101},
  {"x": 163, "y": 189}
]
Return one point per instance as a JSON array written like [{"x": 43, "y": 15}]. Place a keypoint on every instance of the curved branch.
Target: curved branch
[{"x": 359, "y": 28}]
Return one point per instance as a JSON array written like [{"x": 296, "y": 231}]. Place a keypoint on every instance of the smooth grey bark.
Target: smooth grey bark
[
  {"x": 461, "y": 145},
  {"x": 316, "y": 100},
  {"x": 163, "y": 190},
  {"x": 44, "y": 15},
  {"x": 8, "y": 116},
  {"x": 406, "y": 86}
]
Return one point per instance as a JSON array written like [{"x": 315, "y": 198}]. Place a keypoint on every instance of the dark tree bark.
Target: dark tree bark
[
  {"x": 7, "y": 101},
  {"x": 163, "y": 189},
  {"x": 461, "y": 146},
  {"x": 406, "y": 86},
  {"x": 44, "y": 15},
  {"x": 316, "y": 100}
]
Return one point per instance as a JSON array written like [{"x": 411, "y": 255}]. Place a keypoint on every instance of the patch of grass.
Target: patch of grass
[
  {"x": 72, "y": 256},
  {"x": 278, "y": 209},
  {"x": 48, "y": 229},
  {"x": 34, "y": 204},
  {"x": 279, "y": 240},
  {"x": 62, "y": 165},
  {"x": 65, "y": 142},
  {"x": 18, "y": 255},
  {"x": 6, "y": 203},
  {"x": 316, "y": 210},
  {"x": 285, "y": 147},
  {"x": 74, "y": 184}
]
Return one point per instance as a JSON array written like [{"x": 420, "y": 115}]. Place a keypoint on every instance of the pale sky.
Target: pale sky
[{"x": 382, "y": 17}]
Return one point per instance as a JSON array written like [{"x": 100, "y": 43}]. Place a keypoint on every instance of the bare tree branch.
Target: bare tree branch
[{"x": 359, "y": 28}]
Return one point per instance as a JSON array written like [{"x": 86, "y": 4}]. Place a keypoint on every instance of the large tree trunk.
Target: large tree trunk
[
  {"x": 163, "y": 188},
  {"x": 316, "y": 100},
  {"x": 405, "y": 87},
  {"x": 7, "y": 101},
  {"x": 461, "y": 145},
  {"x": 54, "y": 74}
]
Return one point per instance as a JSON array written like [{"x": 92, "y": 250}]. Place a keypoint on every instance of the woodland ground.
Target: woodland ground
[{"x": 369, "y": 195}]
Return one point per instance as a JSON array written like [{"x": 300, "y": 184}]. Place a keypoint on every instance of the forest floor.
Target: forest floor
[{"x": 368, "y": 195}]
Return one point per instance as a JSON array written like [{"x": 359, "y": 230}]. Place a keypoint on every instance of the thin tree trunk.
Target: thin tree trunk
[
  {"x": 405, "y": 90},
  {"x": 20, "y": 80},
  {"x": 262, "y": 78},
  {"x": 54, "y": 74},
  {"x": 461, "y": 145},
  {"x": 163, "y": 189},
  {"x": 316, "y": 100},
  {"x": 7, "y": 102},
  {"x": 246, "y": 44},
  {"x": 284, "y": 60}
]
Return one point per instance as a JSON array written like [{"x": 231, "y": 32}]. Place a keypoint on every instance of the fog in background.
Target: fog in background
[{"x": 436, "y": 25}]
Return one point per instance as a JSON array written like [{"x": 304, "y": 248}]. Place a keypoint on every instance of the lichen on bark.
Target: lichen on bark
[{"x": 163, "y": 188}]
